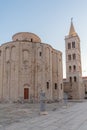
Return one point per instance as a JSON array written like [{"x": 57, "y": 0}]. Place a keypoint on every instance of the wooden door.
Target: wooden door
[{"x": 26, "y": 93}]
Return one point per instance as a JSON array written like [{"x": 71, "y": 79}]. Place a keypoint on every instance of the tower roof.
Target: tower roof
[{"x": 72, "y": 30}]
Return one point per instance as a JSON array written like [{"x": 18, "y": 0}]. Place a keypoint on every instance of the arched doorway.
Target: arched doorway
[{"x": 26, "y": 93}]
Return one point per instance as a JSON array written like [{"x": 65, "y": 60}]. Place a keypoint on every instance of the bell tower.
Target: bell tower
[{"x": 73, "y": 64}]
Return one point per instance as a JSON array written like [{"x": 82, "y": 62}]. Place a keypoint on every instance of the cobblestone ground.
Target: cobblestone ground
[
  {"x": 60, "y": 117},
  {"x": 16, "y": 112}
]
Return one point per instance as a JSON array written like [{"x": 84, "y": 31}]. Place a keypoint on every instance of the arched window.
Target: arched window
[
  {"x": 55, "y": 86},
  {"x": 70, "y": 78},
  {"x": 73, "y": 44},
  {"x": 74, "y": 68},
  {"x": 69, "y": 45},
  {"x": 31, "y": 39},
  {"x": 69, "y": 57},
  {"x": 74, "y": 56},
  {"x": 70, "y": 68},
  {"x": 40, "y": 53},
  {"x": 47, "y": 85},
  {"x": 75, "y": 79}
]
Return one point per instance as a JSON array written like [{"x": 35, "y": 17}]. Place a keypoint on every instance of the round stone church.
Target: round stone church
[{"x": 28, "y": 66}]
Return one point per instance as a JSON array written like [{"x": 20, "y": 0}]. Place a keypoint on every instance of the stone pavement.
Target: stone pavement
[{"x": 70, "y": 117}]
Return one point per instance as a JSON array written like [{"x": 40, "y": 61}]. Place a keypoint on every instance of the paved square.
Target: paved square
[{"x": 70, "y": 117}]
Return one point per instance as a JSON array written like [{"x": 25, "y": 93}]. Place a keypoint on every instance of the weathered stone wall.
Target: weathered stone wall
[
  {"x": 26, "y": 37},
  {"x": 73, "y": 66},
  {"x": 57, "y": 75},
  {"x": 26, "y": 66}
]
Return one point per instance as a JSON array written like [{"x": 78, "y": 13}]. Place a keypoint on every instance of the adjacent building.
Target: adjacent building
[{"x": 85, "y": 86}]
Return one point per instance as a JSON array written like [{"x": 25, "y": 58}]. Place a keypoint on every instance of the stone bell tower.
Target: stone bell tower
[{"x": 73, "y": 64}]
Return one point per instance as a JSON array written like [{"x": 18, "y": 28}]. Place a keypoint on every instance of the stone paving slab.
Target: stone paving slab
[{"x": 71, "y": 117}]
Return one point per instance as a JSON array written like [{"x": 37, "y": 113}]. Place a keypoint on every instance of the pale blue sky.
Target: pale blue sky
[{"x": 49, "y": 19}]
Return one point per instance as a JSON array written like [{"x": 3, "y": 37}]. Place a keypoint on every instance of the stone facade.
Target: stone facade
[
  {"x": 73, "y": 84},
  {"x": 27, "y": 66}
]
